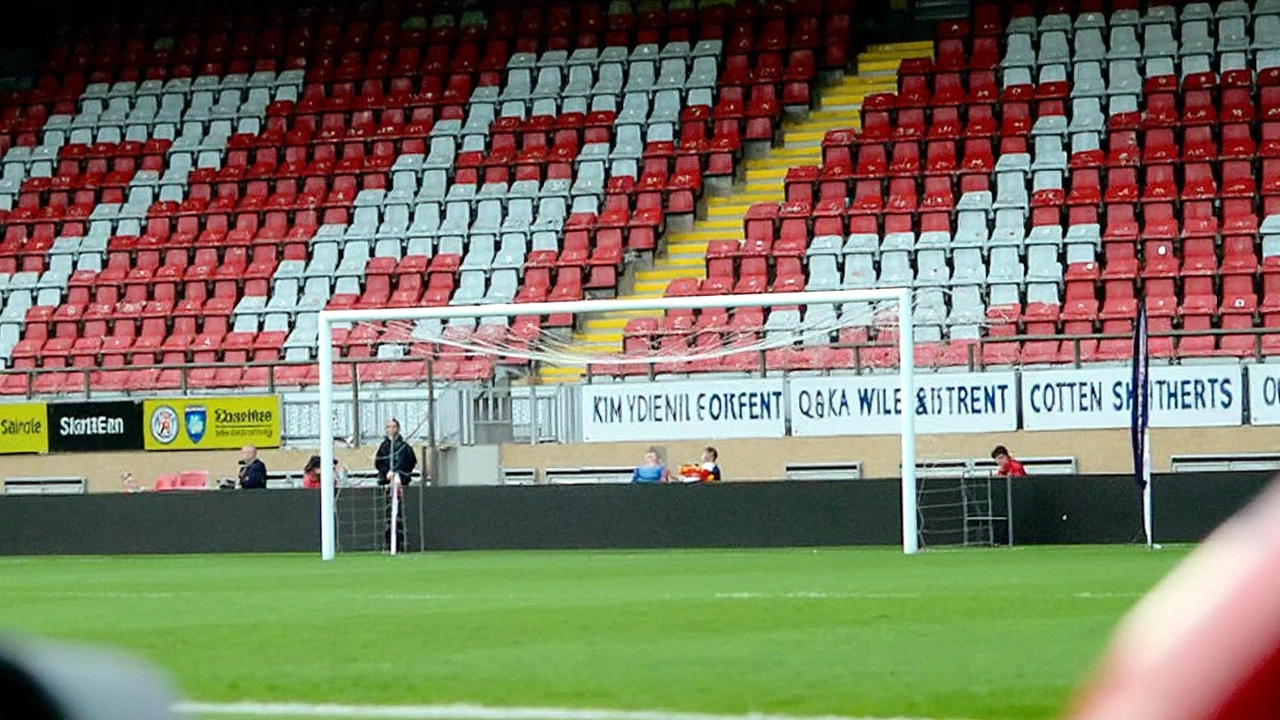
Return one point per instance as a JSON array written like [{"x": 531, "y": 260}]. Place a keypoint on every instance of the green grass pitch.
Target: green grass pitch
[{"x": 990, "y": 634}]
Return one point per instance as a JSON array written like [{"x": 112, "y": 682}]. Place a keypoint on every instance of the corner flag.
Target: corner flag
[{"x": 1140, "y": 416}]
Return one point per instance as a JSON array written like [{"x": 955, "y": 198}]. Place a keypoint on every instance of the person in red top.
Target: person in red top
[
  {"x": 1006, "y": 466},
  {"x": 311, "y": 473}
]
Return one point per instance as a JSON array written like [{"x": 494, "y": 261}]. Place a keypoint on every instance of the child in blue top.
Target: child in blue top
[
  {"x": 711, "y": 466},
  {"x": 652, "y": 471}
]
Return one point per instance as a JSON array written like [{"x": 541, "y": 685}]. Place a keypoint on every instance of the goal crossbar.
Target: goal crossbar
[{"x": 906, "y": 345}]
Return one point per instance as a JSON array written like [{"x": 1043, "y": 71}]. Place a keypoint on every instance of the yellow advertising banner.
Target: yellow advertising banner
[
  {"x": 24, "y": 428},
  {"x": 213, "y": 423}
]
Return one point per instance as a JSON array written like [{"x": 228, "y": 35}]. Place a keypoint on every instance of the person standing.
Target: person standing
[
  {"x": 253, "y": 472},
  {"x": 1006, "y": 466},
  {"x": 394, "y": 461},
  {"x": 395, "y": 458}
]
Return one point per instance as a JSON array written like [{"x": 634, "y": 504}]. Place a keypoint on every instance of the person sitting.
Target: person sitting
[
  {"x": 253, "y": 472},
  {"x": 1006, "y": 466},
  {"x": 652, "y": 471},
  {"x": 311, "y": 473},
  {"x": 710, "y": 466},
  {"x": 131, "y": 485}
]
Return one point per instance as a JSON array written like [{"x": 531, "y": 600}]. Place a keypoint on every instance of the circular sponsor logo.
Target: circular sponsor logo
[{"x": 164, "y": 424}]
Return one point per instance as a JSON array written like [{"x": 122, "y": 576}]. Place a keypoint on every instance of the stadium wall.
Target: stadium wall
[
  {"x": 1096, "y": 451},
  {"x": 1053, "y": 510},
  {"x": 103, "y": 469}
]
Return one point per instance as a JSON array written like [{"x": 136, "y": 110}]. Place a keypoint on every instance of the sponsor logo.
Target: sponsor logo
[
  {"x": 99, "y": 425},
  {"x": 164, "y": 424},
  {"x": 21, "y": 427},
  {"x": 196, "y": 419}
]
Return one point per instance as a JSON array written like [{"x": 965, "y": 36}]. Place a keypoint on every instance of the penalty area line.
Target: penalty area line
[{"x": 469, "y": 712}]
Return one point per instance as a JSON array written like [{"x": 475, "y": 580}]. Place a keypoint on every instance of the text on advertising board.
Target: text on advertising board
[
  {"x": 212, "y": 423},
  {"x": 1181, "y": 396},
  {"x": 23, "y": 428},
  {"x": 683, "y": 410},
  {"x": 873, "y": 405},
  {"x": 95, "y": 426},
  {"x": 1264, "y": 394}
]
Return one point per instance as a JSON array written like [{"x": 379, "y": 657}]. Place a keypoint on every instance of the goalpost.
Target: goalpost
[{"x": 901, "y": 298}]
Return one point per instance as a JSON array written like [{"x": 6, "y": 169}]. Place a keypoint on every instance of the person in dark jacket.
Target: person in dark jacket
[
  {"x": 253, "y": 472},
  {"x": 395, "y": 460},
  {"x": 395, "y": 456}
]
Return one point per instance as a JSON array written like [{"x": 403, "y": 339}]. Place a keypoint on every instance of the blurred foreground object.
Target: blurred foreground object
[
  {"x": 1205, "y": 644},
  {"x": 48, "y": 681}
]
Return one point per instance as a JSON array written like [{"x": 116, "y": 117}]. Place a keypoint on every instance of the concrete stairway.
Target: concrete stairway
[{"x": 685, "y": 256}]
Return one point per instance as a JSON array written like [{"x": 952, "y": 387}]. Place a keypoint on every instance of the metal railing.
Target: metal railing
[
  {"x": 468, "y": 412},
  {"x": 974, "y": 353}
]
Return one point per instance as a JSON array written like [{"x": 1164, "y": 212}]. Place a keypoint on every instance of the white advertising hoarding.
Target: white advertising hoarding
[
  {"x": 1181, "y": 396},
  {"x": 872, "y": 404},
  {"x": 1264, "y": 394},
  {"x": 683, "y": 410}
]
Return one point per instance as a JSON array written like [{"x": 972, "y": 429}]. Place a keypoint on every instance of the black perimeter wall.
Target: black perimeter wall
[{"x": 1047, "y": 510}]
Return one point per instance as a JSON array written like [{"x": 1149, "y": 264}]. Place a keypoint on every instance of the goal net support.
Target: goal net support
[
  {"x": 964, "y": 507},
  {"x": 897, "y": 299}
]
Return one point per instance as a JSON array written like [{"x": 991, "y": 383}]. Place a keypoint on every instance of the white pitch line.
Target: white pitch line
[
  {"x": 815, "y": 596},
  {"x": 468, "y": 712},
  {"x": 96, "y": 595}
]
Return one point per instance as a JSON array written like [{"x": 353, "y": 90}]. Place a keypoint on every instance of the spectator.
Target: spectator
[
  {"x": 311, "y": 473},
  {"x": 253, "y": 472},
  {"x": 710, "y": 465},
  {"x": 131, "y": 485},
  {"x": 395, "y": 459},
  {"x": 395, "y": 456},
  {"x": 1006, "y": 466},
  {"x": 652, "y": 471}
]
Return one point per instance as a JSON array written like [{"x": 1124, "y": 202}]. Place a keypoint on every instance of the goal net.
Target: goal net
[
  {"x": 372, "y": 514},
  {"x": 805, "y": 335}
]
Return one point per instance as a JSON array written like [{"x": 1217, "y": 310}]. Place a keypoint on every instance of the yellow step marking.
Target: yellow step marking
[
  {"x": 703, "y": 235},
  {"x": 627, "y": 313},
  {"x": 788, "y": 152},
  {"x": 882, "y": 84},
  {"x": 892, "y": 56},
  {"x": 601, "y": 337},
  {"x": 808, "y": 136},
  {"x": 826, "y": 125},
  {"x": 722, "y": 211},
  {"x": 771, "y": 196},
  {"x": 717, "y": 224},
  {"x": 782, "y": 164},
  {"x": 762, "y": 173},
  {"x": 687, "y": 249},
  {"x": 760, "y": 186},
  {"x": 885, "y": 66},
  {"x": 655, "y": 274},
  {"x": 901, "y": 46},
  {"x": 849, "y": 115},
  {"x": 608, "y": 323}
]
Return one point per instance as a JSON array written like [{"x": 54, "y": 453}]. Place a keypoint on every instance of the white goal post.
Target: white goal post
[{"x": 906, "y": 346}]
